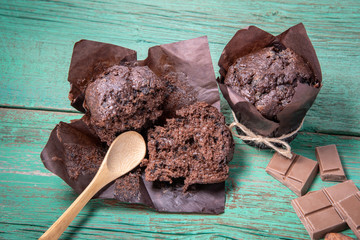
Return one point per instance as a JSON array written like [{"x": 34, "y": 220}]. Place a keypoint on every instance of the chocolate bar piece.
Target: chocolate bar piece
[
  {"x": 349, "y": 208},
  {"x": 330, "y": 163},
  {"x": 317, "y": 210},
  {"x": 296, "y": 173}
]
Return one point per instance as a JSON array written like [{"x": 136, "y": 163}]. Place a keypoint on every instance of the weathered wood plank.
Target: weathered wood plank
[
  {"x": 37, "y": 39},
  {"x": 258, "y": 206}
]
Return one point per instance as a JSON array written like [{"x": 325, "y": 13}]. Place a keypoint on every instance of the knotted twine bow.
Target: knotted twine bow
[{"x": 268, "y": 141}]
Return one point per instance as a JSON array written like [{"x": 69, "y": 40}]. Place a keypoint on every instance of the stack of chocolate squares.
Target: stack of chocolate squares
[{"x": 327, "y": 210}]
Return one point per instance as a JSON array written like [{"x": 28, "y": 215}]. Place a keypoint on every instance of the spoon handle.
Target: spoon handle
[{"x": 55, "y": 231}]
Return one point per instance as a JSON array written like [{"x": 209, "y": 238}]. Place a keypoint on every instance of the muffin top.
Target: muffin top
[
  {"x": 179, "y": 93},
  {"x": 195, "y": 147},
  {"x": 82, "y": 153},
  {"x": 267, "y": 78},
  {"x": 124, "y": 98}
]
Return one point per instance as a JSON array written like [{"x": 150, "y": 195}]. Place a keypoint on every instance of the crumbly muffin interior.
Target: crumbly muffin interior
[
  {"x": 82, "y": 159},
  {"x": 127, "y": 187},
  {"x": 195, "y": 147}
]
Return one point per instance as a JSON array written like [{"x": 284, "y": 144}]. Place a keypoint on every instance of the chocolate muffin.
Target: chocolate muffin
[
  {"x": 82, "y": 159},
  {"x": 178, "y": 93},
  {"x": 124, "y": 98},
  {"x": 82, "y": 153},
  {"x": 267, "y": 78},
  {"x": 194, "y": 147},
  {"x": 127, "y": 187}
]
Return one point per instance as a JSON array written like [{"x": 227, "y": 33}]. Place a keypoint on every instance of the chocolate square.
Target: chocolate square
[
  {"x": 318, "y": 210},
  {"x": 330, "y": 164},
  {"x": 350, "y": 209},
  {"x": 296, "y": 173}
]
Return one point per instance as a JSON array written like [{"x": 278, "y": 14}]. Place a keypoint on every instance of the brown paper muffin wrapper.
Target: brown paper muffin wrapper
[
  {"x": 188, "y": 61},
  {"x": 253, "y": 39}
]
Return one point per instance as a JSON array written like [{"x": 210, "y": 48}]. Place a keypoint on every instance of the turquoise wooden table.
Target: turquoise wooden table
[{"x": 36, "y": 41}]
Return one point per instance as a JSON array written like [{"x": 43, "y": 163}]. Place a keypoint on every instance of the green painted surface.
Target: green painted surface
[
  {"x": 257, "y": 205},
  {"x": 36, "y": 41},
  {"x": 37, "y": 38}
]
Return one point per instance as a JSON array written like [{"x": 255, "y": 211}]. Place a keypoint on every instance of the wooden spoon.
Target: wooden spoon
[{"x": 124, "y": 154}]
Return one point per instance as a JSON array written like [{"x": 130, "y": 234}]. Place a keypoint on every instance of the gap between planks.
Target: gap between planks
[{"x": 354, "y": 136}]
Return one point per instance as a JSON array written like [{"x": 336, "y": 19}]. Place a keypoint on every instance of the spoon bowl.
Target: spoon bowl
[
  {"x": 128, "y": 149},
  {"x": 124, "y": 154}
]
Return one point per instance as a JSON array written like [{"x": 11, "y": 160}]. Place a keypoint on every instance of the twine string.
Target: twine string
[{"x": 285, "y": 150}]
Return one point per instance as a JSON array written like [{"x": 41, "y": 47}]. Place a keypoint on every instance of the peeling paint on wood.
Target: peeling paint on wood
[
  {"x": 257, "y": 205},
  {"x": 36, "y": 40}
]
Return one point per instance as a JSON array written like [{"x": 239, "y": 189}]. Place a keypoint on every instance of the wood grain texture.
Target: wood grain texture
[
  {"x": 37, "y": 38},
  {"x": 257, "y": 206},
  {"x": 36, "y": 41}
]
